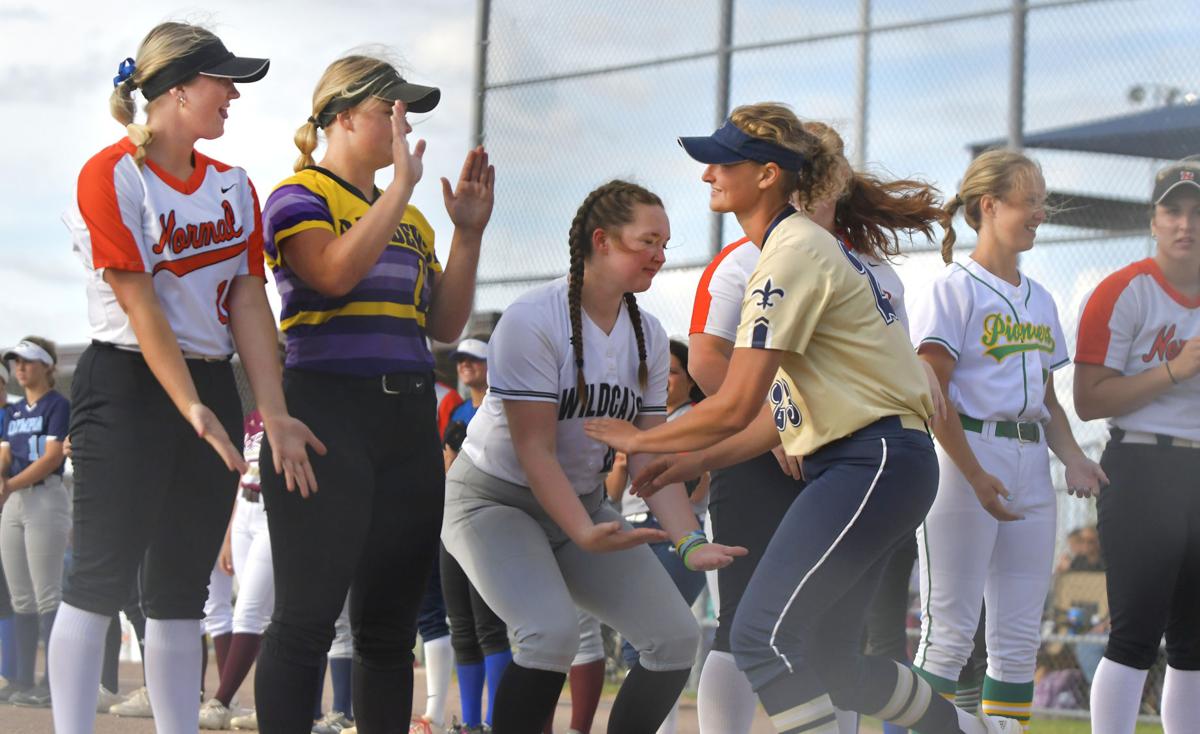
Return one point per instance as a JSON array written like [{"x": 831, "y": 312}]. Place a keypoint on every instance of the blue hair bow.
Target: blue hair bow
[{"x": 124, "y": 71}]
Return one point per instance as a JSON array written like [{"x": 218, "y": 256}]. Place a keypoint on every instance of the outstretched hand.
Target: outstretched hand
[
  {"x": 605, "y": 537},
  {"x": 619, "y": 434},
  {"x": 470, "y": 202},
  {"x": 665, "y": 470},
  {"x": 290, "y": 440},
  {"x": 711, "y": 556}
]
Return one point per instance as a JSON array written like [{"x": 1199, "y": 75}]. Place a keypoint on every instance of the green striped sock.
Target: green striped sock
[
  {"x": 1008, "y": 699},
  {"x": 944, "y": 687}
]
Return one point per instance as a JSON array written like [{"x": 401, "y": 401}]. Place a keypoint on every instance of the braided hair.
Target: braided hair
[{"x": 608, "y": 207}]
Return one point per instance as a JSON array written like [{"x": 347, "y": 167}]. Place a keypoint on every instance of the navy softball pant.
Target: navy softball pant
[{"x": 799, "y": 627}]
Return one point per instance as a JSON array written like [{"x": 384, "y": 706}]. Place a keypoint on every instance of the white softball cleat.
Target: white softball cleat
[{"x": 1001, "y": 725}]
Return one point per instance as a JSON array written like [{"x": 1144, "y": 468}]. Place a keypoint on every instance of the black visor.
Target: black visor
[
  {"x": 389, "y": 87},
  {"x": 210, "y": 59}
]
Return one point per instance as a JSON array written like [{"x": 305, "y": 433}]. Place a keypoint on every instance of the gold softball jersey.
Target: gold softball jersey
[{"x": 847, "y": 361}]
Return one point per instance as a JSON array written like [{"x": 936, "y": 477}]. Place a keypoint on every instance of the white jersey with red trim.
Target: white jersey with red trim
[
  {"x": 1132, "y": 322},
  {"x": 193, "y": 237},
  {"x": 722, "y": 288}
]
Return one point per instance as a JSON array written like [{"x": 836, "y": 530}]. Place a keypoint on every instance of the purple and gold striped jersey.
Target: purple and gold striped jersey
[{"x": 379, "y": 326}]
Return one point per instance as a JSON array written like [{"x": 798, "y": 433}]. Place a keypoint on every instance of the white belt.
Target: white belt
[{"x": 1152, "y": 439}]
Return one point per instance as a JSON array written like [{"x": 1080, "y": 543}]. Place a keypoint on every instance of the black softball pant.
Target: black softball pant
[
  {"x": 747, "y": 501},
  {"x": 1149, "y": 522},
  {"x": 148, "y": 491},
  {"x": 475, "y": 630},
  {"x": 372, "y": 529}
]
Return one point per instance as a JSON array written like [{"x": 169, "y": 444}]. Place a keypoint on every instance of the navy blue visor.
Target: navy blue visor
[{"x": 730, "y": 145}]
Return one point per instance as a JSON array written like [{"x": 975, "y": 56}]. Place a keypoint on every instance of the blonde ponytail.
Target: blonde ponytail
[
  {"x": 949, "y": 238},
  {"x": 306, "y": 140}
]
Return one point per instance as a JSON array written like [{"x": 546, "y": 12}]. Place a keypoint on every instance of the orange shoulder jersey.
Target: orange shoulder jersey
[
  {"x": 1131, "y": 323},
  {"x": 193, "y": 237},
  {"x": 719, "y": 294}
]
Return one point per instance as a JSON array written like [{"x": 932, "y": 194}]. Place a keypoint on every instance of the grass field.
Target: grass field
[{"x": 1064, "y": 726}]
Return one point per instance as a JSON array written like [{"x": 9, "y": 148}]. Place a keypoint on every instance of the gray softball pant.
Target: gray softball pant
[
  {"x": 34, "y": 527},
  {"x": 532, "y": 575}
]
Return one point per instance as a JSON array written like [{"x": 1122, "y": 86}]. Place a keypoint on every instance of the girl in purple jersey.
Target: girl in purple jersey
[{"x": 362, "y": 291}]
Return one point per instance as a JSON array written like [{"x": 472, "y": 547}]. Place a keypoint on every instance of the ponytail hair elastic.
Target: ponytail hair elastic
[{"x": 124, "y": 72}]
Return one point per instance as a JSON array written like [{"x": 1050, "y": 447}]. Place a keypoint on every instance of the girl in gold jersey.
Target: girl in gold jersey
[{"x": 846, "y": 392}]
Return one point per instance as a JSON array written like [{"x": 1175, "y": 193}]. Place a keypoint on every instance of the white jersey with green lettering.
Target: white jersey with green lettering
[{"x": 1005, "y": 338}]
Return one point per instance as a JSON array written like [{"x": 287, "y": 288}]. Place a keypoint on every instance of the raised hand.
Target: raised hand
[
  {"x": 408, "y": 164},
  {"x": 469, "y": 203}
]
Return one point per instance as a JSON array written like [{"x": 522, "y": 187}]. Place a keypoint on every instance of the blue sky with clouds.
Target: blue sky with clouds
[{"x": 934, "y": 90}]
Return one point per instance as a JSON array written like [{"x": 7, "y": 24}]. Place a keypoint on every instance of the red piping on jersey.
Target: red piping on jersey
[
  {"x": 183, "y": 266},
  {"x": 1094, "y": 332},
  {"x": 703, "y": 301}
]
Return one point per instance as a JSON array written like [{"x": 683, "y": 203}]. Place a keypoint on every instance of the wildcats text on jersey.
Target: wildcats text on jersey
[
  {"x": 1003, "y": 337},
  {"x": 603, "y": 401}
]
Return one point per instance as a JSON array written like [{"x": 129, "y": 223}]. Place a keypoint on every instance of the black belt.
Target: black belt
[
  {"x": 251, "y": 495},
  {"x": 392, "y": 383}
]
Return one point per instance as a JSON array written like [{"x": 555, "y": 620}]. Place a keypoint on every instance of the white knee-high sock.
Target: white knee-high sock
[
  {"x": 76, "y": 656},
  {"x": 1116, "y": 696},
  {"x": 725, "y": 702},
  {"x": 439, "y": 661},
  {"x": 173, "y": 674},
  {"x": 1180, "y": 701},
  {"x": 671, "y": 723}
]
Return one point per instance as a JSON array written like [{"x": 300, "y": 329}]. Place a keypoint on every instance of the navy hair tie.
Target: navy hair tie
[{"x": 124, "y": 72}]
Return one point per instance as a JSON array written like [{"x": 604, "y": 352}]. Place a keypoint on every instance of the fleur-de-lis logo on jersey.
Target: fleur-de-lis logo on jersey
[
  {"x": 785, "y": 410},
  {"x": 766, "y": 293}
]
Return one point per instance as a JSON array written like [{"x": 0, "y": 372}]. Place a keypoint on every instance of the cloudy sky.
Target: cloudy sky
[
  {"x": 934, "y": 90},
  {"x": 56, "y": 75}
]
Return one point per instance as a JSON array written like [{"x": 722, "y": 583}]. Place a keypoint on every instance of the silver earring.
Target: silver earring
[{"x": 182, "y": 100}]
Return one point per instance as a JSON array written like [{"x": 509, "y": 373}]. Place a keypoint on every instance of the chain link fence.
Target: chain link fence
[{"x": 575, "y": 93}]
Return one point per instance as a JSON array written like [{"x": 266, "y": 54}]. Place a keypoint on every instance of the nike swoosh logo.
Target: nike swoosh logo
[{"x": 226, "y": 189}]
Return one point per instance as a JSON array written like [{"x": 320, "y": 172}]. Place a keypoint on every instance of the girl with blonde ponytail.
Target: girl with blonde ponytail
[
  {"x": 525, "y": 511},
  {"x": 362, "y": 293},
  {"x": 845, "y": 391},
  {"x": 172, "y": 242},
  {"x": 993, "y": 338}
]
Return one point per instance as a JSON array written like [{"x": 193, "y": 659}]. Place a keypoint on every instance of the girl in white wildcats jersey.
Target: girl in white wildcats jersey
[
  {"x": 1137, "y": 361},
  {"x": 993, "y": 337},
  {"x": 526, "y": 515},
  {"x": 173, "y": 246}
]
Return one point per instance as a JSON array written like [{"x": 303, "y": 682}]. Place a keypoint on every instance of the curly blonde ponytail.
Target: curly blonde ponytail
[
  {"x": 824, "y": 174},
  {"x": 306, "y": 140}
]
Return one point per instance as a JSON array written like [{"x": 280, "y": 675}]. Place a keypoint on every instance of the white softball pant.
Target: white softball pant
[
  {"x": 251, "y": 547},
  {"x": 968, "y": 557},
  {"x": 34, "y": 527}
]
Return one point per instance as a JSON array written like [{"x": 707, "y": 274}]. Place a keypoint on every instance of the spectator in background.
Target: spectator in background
[
  {"x": 36, "y": 519},
  {"x": 8, "y": 649},
  {"x": 1088, "y": 558}
]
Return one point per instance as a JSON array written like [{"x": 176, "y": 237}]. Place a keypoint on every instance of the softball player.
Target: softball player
[
  {"x": 36, "y": 519},
  {"x": 993, "y": 337},
  {"x": 8, "y": 648},
  {"x": 362, "y": 292},
  {"x": 172, "y": 243},
  {"x": 1136, "y": 364},
  {"x": 846, "y": 392},
  {"x": 749, "y": 499},
  {"x": 526, "y": 515}
]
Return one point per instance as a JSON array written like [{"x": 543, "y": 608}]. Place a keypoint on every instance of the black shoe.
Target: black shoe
[
  {"x": 8, "y": 690},
  {"x": 37, "y": 697}
]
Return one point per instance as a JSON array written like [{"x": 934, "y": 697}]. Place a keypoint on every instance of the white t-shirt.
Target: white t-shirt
[
  {"x": 1006, "y": 339},
  {"x": 530, "y": 358},
  {"x": 1131, "y": 323},
  {"x": 193, "y": 237}
]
